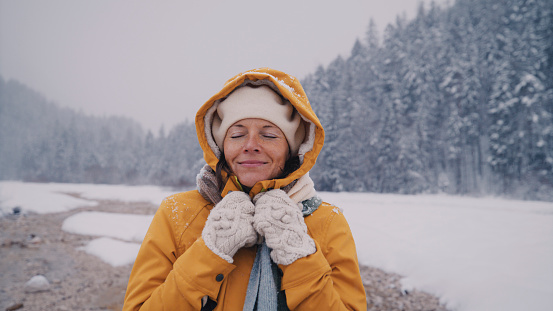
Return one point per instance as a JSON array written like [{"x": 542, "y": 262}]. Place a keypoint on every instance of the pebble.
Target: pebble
[
  {"x": 34, "y": 239},
  {"x": 14, "y": 307},
  {"x": 37, "y": 283}
]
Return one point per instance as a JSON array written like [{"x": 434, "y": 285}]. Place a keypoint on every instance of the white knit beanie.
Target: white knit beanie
[{"x": 262, "y": 103}]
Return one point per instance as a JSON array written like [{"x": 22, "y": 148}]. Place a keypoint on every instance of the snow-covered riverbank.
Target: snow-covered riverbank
[{"x": 474, "y": 254}]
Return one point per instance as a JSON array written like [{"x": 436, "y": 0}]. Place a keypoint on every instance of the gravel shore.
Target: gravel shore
[{"x": 34, "y": 244}]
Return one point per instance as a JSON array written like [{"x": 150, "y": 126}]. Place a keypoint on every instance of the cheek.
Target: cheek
[
  {"x": 284, "y": 154},
  {"x": 230, "y": 149},
  {"x": 230, "y": 155}
]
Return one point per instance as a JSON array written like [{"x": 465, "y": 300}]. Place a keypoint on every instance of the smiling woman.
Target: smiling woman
[
  {"x": 255, "y": 150},
  {"x": 242, "y": 240},
  {"x": 258, "y": 131}
]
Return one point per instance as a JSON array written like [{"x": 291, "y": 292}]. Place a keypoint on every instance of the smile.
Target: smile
[{"x": 251, "y": 163}]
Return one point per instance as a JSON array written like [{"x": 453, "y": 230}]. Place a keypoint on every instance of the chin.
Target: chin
[{"x": 250, "y": 181}]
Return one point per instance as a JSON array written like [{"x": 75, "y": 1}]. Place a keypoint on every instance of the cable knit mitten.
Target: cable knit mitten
[
  {"x": 280, "y": 221},
  {"x": 229, "y": 225}
]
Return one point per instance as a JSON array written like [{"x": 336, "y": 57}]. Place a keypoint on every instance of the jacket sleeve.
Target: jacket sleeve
[
  {"x": 329, "y": 279},
  {"x": 162, "y": 280}
]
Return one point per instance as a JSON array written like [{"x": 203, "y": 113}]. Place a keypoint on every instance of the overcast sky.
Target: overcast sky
[{"x": 158, "y": 61}]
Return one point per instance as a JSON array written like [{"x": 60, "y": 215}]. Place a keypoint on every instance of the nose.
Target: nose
[{"x": 252, "y": 144}]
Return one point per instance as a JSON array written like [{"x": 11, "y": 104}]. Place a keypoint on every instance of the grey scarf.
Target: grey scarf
[{"x": 264, "y": 292}]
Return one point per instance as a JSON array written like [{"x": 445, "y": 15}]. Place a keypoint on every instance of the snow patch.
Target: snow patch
[
  {"x": 114, "y": 252},
  {"x": 44, "y": 198},
  {"x": 477, "y": 254},
  {"x": 38, "y": 198},
  {"x": 126, "y": 227}
]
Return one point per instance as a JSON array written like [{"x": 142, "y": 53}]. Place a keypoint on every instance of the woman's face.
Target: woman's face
[{"x": 255, "y": 150}]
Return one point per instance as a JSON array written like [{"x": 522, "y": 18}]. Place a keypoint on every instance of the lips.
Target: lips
[{"x": 251, "y": 163}]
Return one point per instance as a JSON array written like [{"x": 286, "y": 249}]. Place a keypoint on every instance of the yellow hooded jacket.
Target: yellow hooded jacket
[{"x": 174, "y": 268}]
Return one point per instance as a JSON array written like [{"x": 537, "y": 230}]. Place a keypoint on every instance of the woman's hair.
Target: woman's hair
[
  {"x": 291, "y": 165},
  {"x": 221, "y": 165}
]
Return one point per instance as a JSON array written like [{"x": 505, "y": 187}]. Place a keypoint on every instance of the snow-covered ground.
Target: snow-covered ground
[{"x": 483, "y": 254}]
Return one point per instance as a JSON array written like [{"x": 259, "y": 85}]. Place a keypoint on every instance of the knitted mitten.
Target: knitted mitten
[
  {"x": 229, "y": 225},
  {"x": 280, "y": 221}
]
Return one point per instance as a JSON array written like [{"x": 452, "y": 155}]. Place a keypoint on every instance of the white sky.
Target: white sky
[{"x": 158, "y": 61}]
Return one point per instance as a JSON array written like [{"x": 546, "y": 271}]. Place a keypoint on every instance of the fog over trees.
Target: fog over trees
[
  {"x": 458, "y": 100},
  {"x": 41, "y": 142}
]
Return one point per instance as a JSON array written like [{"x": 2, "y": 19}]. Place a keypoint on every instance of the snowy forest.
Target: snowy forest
[{"x": 458, "y": 100}]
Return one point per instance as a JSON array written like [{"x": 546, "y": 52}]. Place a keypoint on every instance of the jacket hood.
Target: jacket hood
[{"x": 287, "y": 86}]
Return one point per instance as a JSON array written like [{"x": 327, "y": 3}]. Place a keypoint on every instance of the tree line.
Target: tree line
[{"x": 458, "y": 100}]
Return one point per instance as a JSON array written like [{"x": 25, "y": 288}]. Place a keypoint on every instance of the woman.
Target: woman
[{"x": 254, "y": 236}]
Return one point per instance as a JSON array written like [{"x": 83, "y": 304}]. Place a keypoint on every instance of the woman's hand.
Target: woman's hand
[
  {"x": 229, "y": 225},
  {"x": 280, "y": 221}
]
